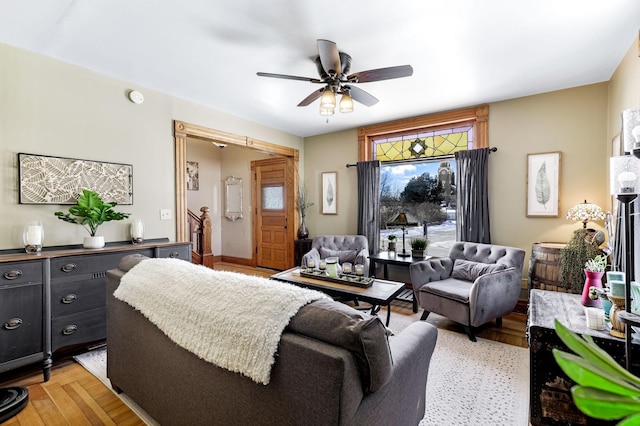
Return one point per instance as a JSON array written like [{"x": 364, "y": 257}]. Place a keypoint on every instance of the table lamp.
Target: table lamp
[
  {"x": 585, "y": 212},
  {"x": 402, "y": 220}
]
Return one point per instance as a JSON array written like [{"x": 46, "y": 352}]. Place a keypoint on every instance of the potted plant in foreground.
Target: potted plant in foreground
[
  {"x": 418, "y": 246},
  {"x": 91, "y": 212}
]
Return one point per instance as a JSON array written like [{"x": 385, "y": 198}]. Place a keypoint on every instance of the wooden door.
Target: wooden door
[{"x": 274, "y": 219}]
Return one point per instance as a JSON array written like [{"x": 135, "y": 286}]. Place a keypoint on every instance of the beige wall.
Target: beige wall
[
  {"x": 52, "y": 108},
  {"x": 624, "y": 89}
]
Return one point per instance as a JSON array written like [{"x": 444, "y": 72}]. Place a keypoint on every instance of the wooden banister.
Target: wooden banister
[{"x": 200, "y": 237}]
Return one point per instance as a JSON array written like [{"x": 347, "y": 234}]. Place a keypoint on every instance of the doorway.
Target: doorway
[
  {"x": 274, "y": 200},
  {"x": 183, "y": 130}
]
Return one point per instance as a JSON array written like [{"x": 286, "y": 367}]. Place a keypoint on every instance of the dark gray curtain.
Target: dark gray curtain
[
  {"x": 369, "y": 203},
  {"x": 472, "y": 180}
]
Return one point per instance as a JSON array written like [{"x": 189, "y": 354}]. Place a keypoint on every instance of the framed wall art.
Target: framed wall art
[
  {"x": 43, "y": 179},
  {"x": 329, "y": 192},
  {"x": 193, "y": 176},
  {"x": 543, "y": 184}
]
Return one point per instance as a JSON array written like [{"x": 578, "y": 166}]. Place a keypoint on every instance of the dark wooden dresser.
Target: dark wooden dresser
[
  {"x": 550, "y": 398},
  {"x": 56, "y": 298}
]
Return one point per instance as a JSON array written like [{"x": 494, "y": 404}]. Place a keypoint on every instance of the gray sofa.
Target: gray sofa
[
  {"x": 475, "y": 284},
  {"x": 334, "y": 366},
  {"x": 347, "y": 248}
]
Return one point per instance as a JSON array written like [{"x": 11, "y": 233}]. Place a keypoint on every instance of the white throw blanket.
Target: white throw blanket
[{"x": 229, "y": 319}]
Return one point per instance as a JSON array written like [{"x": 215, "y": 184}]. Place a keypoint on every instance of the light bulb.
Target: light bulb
[{"x": 627, "y": 181}]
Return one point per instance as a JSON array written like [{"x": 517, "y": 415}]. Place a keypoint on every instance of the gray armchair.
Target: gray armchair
[
  {"x": 475, "y": 284},
  {"x": 347, "y": 248}
]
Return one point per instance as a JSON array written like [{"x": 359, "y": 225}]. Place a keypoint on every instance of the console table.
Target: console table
[
  {"x": 56, "y": 298},
  {"x": 550, "y": 396}
]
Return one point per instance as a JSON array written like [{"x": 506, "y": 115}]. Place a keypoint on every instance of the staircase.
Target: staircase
[{"x": 200, "y": 237}]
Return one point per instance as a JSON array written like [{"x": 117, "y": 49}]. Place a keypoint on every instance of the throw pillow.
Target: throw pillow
[
  {"x": 468, "y": 270},
  {"x": 352, "y": 256},
  {"x": 365, "y": 336}
]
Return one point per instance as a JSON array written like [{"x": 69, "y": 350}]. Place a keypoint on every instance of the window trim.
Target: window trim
[{"x": 478, "y": 115}]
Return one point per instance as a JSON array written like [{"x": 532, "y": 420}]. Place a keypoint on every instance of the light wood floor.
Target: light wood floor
[{"x": 73, "y": 396}]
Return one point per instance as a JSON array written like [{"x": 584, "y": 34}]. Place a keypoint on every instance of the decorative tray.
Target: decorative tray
[{"x": 347, "y": 279}]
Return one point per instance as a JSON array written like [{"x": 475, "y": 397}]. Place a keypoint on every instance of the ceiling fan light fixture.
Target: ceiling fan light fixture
[
  {"x": 346, "y": 103},
  {"x": 326, "y": 111},
  {"x": 328, "y": 99}
]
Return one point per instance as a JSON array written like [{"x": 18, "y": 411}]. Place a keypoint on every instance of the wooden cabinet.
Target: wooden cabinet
[
  {"x": 56, "y": 298},
  {"x": 22, "y": 313}
]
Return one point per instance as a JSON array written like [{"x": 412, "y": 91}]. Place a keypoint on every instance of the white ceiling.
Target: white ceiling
[{"x": 463, "y": 52}]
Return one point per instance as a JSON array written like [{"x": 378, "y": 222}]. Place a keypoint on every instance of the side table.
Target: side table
[
  {"x": 386, "y": 258},
  {"x": 550, "y": 389},
  {"x": 300, "y": 248}
]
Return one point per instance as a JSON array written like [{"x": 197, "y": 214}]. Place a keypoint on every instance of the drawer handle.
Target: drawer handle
[
  {"x": 69, "y": 267},
  {"x": 13, "y": 274},
  {"x": 70, "y": 329},
  {"x": 174, "y": 254},
  {"x": 69, "y": 298},
  {"x": 12, "y": 324}
]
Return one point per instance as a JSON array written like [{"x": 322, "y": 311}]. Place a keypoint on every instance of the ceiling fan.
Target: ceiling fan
[{"x": 333, "y": 68}]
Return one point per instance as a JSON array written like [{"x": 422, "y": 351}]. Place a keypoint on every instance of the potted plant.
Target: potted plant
[
  {"x": 392, "y": 243},
  {"x": 573, "y": 257},
  {"x": 418, "y": 246},
  {"x": 91, "y": 212},
  {"x": 593, "y": 271}
]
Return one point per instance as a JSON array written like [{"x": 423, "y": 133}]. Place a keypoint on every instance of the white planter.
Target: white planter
[{"x": 93, "y": 242}]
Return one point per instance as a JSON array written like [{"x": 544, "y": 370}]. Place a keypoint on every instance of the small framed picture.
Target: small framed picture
[
  {"x": 543, "y": 184},
  {"x": 330, "y": 193},
  {"x": 193, "y": 179}
]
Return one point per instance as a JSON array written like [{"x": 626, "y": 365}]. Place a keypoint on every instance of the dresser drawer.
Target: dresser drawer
[
  {"x": 176, "y": 252},
  {"x": 77, "y": 266},
  {"x": 77, "y": 328},
  {"x": 77, "y": 296},
  {"x": 20, "y": 321},
  {"x": 12, "y": 273}
]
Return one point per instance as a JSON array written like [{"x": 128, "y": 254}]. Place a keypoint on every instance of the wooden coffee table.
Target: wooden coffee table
[{"x": 381, "y": 292}]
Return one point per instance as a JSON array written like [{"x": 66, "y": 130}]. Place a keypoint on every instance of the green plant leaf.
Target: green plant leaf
[
  {"x": 602, "y": 404},
  {"x": 587, "y": 349},
  {"x": 630, "y": 421},
  {"x": 588, "y": 374}
]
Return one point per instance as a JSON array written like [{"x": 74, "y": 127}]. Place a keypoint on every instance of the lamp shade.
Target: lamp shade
[
  {"x": 346, "y": 103},
  {"x": 402, "y": 219},
  {"x": 328, "y": 99},
  {"x": 631, "y": 130},
  {"x": 625, "y": 175},
  {"x": 585, "y": 212},
  {"x": 326, "y": 111}
]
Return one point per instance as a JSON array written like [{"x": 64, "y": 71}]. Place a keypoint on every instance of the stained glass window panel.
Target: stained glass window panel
[{"x": 424, "y": 144}]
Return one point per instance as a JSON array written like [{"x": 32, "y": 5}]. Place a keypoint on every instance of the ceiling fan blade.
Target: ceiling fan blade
[
  {"x": 289, "y": 77},
  {"x": 381, "y": 74},
  {"x": 361, "y": 96},
  {"x": 329, "y": 57},
  {"x": 312, "y": 97}
]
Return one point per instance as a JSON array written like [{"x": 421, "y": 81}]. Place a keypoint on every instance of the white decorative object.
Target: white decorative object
[
  {"x": 595, "y": 318},
  {"x": 137, "y": 231},
  {"x": 625, "y": 175},
  {"x": 33, "y": 236},
  {"x": 93, "y": 242}
]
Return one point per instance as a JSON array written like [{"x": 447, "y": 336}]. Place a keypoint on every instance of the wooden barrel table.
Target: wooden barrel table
[{"x": 544, "y": 268}]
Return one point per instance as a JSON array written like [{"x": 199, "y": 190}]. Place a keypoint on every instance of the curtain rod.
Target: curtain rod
[{"x": 492, "y": 149}]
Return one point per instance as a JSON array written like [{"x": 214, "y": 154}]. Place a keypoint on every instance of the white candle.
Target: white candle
[
  {"x": 136, "y": 229},
  {"x": 34, "y": 235}
]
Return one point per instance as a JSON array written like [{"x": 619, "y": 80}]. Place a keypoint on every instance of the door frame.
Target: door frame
[{"x": 183, "y": 130}]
